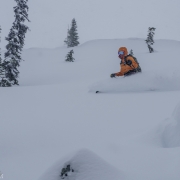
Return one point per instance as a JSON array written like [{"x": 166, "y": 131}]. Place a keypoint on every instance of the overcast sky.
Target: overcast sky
[{"x": 96, "y": 19}]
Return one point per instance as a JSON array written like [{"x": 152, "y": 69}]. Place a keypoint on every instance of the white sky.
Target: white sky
[{"x": 96, "y": 19}]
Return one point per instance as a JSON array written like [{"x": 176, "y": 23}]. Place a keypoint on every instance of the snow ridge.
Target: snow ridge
[{"x": 86, "y": 166}]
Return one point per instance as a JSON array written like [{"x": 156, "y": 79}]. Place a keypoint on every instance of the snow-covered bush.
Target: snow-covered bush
[
  {"x": 131, "y": 52},
  {"x": 69, "y": 56},
  {"x": 150, "y": 40},
  {"x": 66, "y": 171}
]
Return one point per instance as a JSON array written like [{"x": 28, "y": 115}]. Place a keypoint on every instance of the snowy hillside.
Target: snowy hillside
[{"x": 55, "y": 112}]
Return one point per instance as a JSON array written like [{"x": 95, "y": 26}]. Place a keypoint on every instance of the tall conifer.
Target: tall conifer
[
  {"x": 72, "y": 35},
  {"x": 15, "y": 44},
  {"x": 3, "y": 81},
  {"x": 1, "y": 68},
  {"x": 0, "y": 41}
]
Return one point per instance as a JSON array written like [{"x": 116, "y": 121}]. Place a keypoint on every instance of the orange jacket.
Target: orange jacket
[{"x": 124, "y": 68}]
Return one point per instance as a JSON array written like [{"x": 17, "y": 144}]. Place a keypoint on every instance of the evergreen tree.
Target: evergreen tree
[
  {"x": 16, "y": 42},
  {"x": 149, "y": 40},
  {"x": 4, "y": 82},
  {"x": 1, "y": 66},
  {"x": 0, "y": 48},
  {"x": 131, "y": 52},
  {"x": 69, "y": 56},
  {"x": 72, "y": 36}
]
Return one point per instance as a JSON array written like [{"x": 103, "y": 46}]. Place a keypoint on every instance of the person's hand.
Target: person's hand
[
  {"x": 112, "y": 75},
  {"x": 129, "y": 62}
]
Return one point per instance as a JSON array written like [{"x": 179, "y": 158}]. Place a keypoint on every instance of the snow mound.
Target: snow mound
[
  {"x": 83, "y": 165},
  {"x": 170, "y": 130},
  {"x": 167, "y": 134},
  {"x": 146, "y": 81}
]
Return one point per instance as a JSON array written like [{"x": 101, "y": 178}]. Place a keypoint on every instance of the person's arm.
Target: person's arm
[
  {"x": 119, "y": 74},
  {"x": 124, "y": 69}
]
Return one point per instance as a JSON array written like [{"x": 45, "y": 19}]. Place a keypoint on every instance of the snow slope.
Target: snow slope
[{"x": 55, "y": 112}]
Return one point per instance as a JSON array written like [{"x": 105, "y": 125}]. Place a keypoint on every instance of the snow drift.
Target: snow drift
[
  {"x": 85, "y": 165},
  {"x": 139, "y": 82},
  {"x": 170, "y": 130},
  {"x": 167, "y": 133}
]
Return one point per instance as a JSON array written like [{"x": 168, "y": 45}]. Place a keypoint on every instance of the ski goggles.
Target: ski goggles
[{"x": 120, "y": 52}]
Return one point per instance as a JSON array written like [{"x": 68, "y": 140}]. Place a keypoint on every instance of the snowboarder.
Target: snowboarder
[{"x": 128, "y": 64}]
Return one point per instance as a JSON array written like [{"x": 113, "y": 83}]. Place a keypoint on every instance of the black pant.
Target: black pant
[{"x": 130, "y": 72}]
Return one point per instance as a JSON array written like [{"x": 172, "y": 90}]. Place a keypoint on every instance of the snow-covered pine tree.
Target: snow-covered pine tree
[
  {"x": 16, "y": 42},
  {"x": 1, "y": 68},
  {"x": 131, "y": 52},
  {"x": 0, "y": 48},
  {"x": 69, "y": 56},
  {"x": 74, "y": 34},
  {"x": 72, "y": 37},
  {"x": 150, "y": 40},
  {"x": 3, "y": 81}
]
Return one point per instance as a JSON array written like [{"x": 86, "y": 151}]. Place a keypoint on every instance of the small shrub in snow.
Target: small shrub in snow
[
  {"x": 66, "y": 171},
  {"x": 72, "y": 35},
  {"x": 150, "y": 40},
  {"x": 131, "y": 52},
  {"x": 69, "y": 56}
]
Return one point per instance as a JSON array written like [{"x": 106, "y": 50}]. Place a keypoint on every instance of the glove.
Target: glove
[
  {"x": 129, "y": 62},
  {"x": 112, "y": 75}
]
